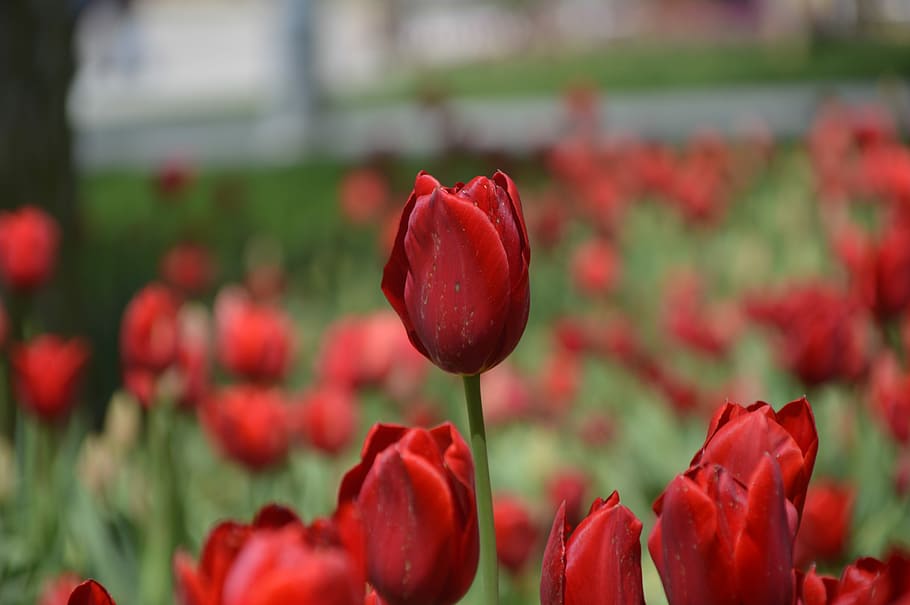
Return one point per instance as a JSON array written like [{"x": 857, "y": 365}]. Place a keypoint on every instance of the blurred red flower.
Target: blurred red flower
[
  {"x": 29, "y": 238},
  {"x": 464, "y": 319},
  {"x": 327, "y": 418},
  {"x": 597, "y": 562},
  {"x": 250, "y": 424},
  {"x": 516, "y": 533},
  {"x": 568, "y": 486},
  {"x": 149, "y": 333},
  {"x": 188, "y": 267},
  {"x": 414, "y": 491},
  {"x": 255, "y": 341},
  {"x": 57, "y": 590},
  {"x": 276, "y": 559},
  {"x": 363, "y": 195},
  {"x": 595, "y": 268},
  {"x": 889, "y": 396},
  {"x": 47, "y": 372},
  {"x": 825, "y": 528}
]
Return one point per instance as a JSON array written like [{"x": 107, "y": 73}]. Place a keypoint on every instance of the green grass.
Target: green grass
[{"x": 650, "y": 66}]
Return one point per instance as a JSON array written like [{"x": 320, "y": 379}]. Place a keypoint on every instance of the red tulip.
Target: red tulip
[
  {"x": 739, "y": 437},
  {"x": 90, "y": 592},
  {"x": 414, "y": 491},
  {"x": 328, "y": 418},
  {"x": 458, "y": 273},
  {"x": 56, "y": 591},
  {"x": 516, "y": 533},
  {"x": 250, "y": 424},
  {"x": 825, "y": 526},
  {"x": 599, "y": 562},
  {"x": 47, "y": 374},
  {"x": 28, "y": 247},
  {"x": 363, "y": 195},
  {"x": 722, "y": 541},
  {"x": 568, "y": 487},
  {"x": 890, "y": 397},
  {"x": 188, "y": 267},
  {"x": 172, "y": 178},
  {"x": 254, "y": 341},
  {"x": 872, "y": 582},
  {"x": 149, "y": 333},
  {"x": 276, "y": 559},
  {"x": 595, "y": 268}
]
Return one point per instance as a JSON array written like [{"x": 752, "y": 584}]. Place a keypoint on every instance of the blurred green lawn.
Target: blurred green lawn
[{"x": 650, "y": 66}]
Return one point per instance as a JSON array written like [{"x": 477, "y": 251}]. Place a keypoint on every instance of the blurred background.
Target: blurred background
[{"x": 711, "y": 186}]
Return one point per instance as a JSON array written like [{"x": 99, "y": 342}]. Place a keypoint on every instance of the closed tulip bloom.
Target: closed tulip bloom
[
  {"x": 739, "y": 437},
  {"x": 414, "y": 491},
  {"x": 29, "y": 238},
  {"x": 458, "y": 273},
  {"x": 597, "y": 563},
  {"x": 825, "y": 527},
  {"x": 249, "y": 424},
  {"x": 516, "y": 533},
  {"x": 255, "y": 341},
  {"x": 149, "y": 333},
  {"x": 47, "y": 372},
  {"x": 722, "y": 541},
  {"x": 90, "y": 592},
  {"x": 188, "y": 266},
  {"x": 327, "y": 418},
  {"x": 275, "y": 559}
]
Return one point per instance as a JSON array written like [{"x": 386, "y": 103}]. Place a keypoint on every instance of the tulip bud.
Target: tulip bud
[
  {"x": 458, "y": 273},
  {"x": 149, "y": 332},
  {"x": 414, "y": 491},
  {"x": 739, "y": 437},
  {"x": 719, "y": 540},
  {"x": 47, "y": 373},
  {"x": 28, "y": 247},
  {"x": 90, "y": 592},
  {"x": 599, "y": 562},
  {"x": 516, "y": 533},
  {"x": 825, "y": 526}
]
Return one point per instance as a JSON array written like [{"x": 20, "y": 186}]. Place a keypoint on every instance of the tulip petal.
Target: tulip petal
[
  {"x": 604, "y": 557},
  {"x": 553, "y": 572},
  {"x": 408, "y": 517},
  {"x": 90, "y": 592},
  {"x": 764, "y": 551},
  {"x": 457, "y": 290},
  {"x": 378, "y": 439}
]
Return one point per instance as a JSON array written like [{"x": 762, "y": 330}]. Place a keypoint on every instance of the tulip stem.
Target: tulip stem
[{"x": 488, "y": 564}]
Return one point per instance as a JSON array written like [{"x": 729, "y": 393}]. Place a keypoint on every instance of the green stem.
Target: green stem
[{"x": 489, "y": 569}]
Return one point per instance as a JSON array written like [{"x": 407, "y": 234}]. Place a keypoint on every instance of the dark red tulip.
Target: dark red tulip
[
  {"x": 149, "y": 333},
  {"x": 327, "y": 418},
  {"x": 250, "y": 424},
  {"x": 414, "y": 491},
  {"x": 722, "y": 541},
  {"x": 276, "y": 559},
  {"x": 458, "y": 273},
  {"x": 516, "y": 533},
  {"x": 889, "y": 397},
  {"x": 869, "y": 581},
  {"x": 90, "y": 592},
  {"x": 189, "y": 267},
  {"x": 255, "y": 341},
  {"x": 825, "y": 527},
  {"x": 47, "y": 372},
  {"x": 29, "y": 238},
  {"x": 57, "y": 590},
  {"x": 597, "y": 562},
  {"x": 739, "y": 437},
  {"x": 822, "y": 332}
]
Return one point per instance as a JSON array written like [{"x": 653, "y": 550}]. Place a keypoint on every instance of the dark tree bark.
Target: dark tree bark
[{"x": 36, "y": 68}]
